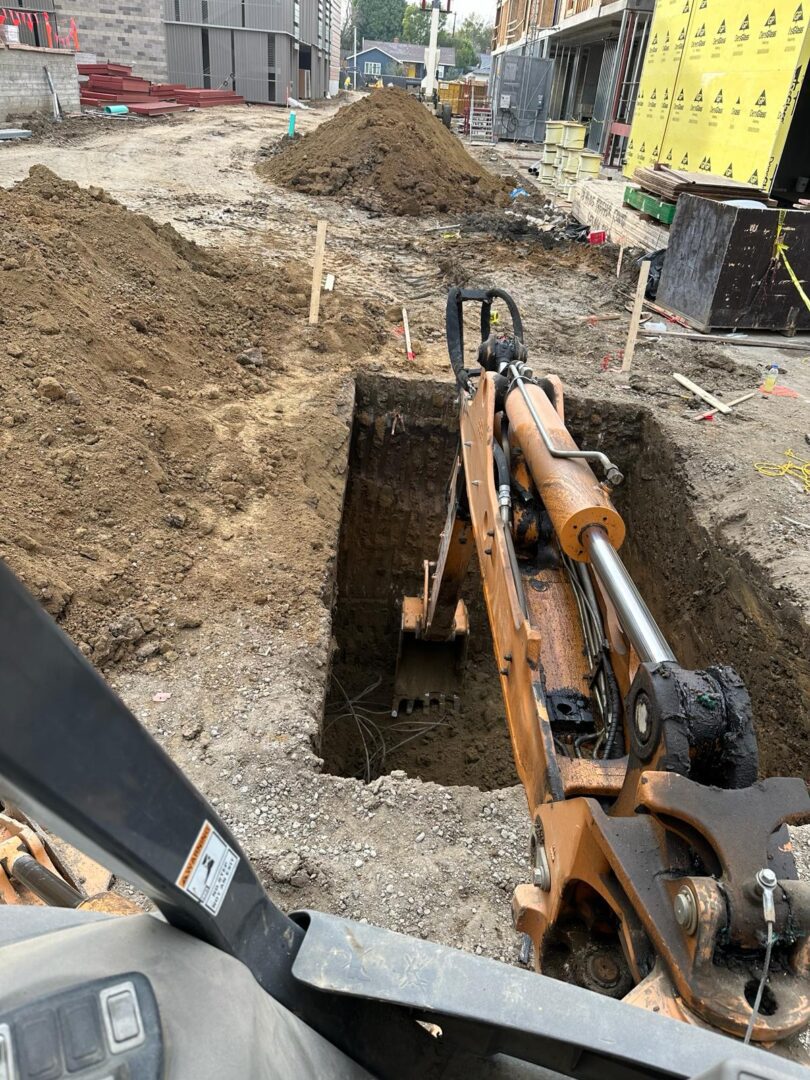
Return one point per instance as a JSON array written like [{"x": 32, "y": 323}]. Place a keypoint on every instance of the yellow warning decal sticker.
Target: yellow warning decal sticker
[{"x": 208, "y": 871}]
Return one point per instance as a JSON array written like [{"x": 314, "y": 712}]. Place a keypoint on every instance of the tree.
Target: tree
[
  {"x": 473, "y": 37},
  {"x": 416, "y": 26},
  {"x": 479, "y": 33},
  {"x": 466, "y": 56},
  {"x": 347, "y": 28},
  {"x": 379, "y": 20}
]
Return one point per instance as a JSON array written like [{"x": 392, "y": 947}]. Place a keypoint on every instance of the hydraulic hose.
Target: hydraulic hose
[
  {"x": 454, "y": 322},
  {"x": 504, "y": 481},
  {"x": 505, "y": 503}
]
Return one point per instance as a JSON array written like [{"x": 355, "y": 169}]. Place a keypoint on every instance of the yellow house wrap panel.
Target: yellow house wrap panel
[{"x": 719, "y": 86}]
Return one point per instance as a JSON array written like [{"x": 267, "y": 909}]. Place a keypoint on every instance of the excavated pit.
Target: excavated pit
[
  {"x": 403, "y": 445},
  {"x": 711, "y": 602}
]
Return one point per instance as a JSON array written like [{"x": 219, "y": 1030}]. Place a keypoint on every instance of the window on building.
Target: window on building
[
  {"x": 271, "y": 67},
  {"x": 372, "y": 68},
  {"x": 206, "y": 60}
]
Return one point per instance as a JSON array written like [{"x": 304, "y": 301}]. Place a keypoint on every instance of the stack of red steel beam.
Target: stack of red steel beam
[
  {"x": 104, "y": 69},
  {"x": 157, "y": 108},
  {"x": 202, "y": 99},
  {"x": 167, "y": 91},
  {"x": 114, "y": 84}
]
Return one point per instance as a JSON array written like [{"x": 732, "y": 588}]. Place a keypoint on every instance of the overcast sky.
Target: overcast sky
[{"x": 484, "y": 9}]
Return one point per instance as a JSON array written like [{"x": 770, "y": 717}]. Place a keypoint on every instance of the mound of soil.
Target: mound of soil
[
  {"x": 135, "y": 389},
  {"x": 387, "y": 152}
]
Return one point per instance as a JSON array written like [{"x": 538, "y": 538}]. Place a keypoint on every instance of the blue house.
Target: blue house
[{"x": 396, "y": 62}]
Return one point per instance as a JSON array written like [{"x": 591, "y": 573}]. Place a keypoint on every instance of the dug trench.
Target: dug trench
[{"x": 708, "y": 599}]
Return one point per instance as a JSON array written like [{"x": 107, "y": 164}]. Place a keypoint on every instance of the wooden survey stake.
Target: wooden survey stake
[
  {"x": 317, "y": 273},
  {"x": 641, "y": 288},
  {"x": 409, "y": 353}
]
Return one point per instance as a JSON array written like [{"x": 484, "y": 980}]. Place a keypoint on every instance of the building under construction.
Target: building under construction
[{"x": 597, "y": 49}]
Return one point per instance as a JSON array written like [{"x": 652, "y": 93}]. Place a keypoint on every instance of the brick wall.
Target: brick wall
[
  {"x": 23, "y": 86},
  {"x": 120, "y": 31}
]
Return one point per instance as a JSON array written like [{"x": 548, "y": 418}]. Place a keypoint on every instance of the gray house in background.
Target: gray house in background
[
  {"x": 266, "y": 50},
  {"x": 396, "y": 61}
]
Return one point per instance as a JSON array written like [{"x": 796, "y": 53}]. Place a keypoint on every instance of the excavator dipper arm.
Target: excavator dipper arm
[{"x": 661, "y": 870}]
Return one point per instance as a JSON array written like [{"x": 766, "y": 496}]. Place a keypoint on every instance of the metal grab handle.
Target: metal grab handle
[{"x": 612, "y": 473}]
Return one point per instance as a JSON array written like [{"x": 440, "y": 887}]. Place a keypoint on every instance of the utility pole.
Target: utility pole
[
  {"x": 432, "y": 64},
  {"x": 354, "y": 73}
]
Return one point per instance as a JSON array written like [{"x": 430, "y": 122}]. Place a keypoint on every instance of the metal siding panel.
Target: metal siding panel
[
  {"x": 190, "y": 11},
  {"x": 184, "y": 54},
  {"x": 273, "y": 15},
  {"x": 251, "y": 65},
  {"x": 219, "y": 51},
  {"x": 284, "y": 67},
  {"x": 260, "y": 16},
  {"x": 317, "y": 73},
  {"x": 225, "y": 13},
  {"x": 309, "y": 21}
]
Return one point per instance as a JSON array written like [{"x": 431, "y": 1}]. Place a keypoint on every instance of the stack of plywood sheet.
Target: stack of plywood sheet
[{"x": 670, "y": 183}]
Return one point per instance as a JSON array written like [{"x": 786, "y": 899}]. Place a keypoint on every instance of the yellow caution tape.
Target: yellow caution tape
[
  {"x": 780, "y": 249},
  {"x": 794, "y": 279},
  {"x": 798, "y": 469}
]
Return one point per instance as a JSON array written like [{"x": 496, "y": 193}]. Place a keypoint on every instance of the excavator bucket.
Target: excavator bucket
[
  {"x": 429, "y": 672},
  {"x": 435, "y": 629}
]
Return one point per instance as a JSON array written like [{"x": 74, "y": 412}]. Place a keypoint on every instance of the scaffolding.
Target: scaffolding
[{"x": 611, "y": 69}]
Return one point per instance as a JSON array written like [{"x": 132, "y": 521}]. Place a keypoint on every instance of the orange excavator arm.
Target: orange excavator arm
[{"x": 660, "y": 868}]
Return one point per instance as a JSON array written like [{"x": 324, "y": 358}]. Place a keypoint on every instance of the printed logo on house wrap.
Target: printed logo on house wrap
[{"x": 209, "y": 869}]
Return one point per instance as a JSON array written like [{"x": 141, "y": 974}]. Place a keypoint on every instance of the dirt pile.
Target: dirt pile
[
  {"x": 136, "y": 405},
  {"x": 387, "y": 153}
]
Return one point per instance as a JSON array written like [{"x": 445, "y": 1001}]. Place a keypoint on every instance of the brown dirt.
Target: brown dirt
[
  {"x": 136, "y": 424},
  {"x": 240, "y": 708},
  {"x": 387, "y": 152}
]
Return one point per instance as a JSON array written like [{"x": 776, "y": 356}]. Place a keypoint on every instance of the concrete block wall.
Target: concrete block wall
[
  {"x": 23, "y": 86},
  {"x": 120, "y": 31}
]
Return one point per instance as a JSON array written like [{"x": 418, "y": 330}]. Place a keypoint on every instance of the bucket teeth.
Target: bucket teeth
[{"x": 421, "y": 662}]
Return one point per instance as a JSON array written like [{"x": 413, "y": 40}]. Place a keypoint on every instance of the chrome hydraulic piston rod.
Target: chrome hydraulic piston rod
[{"x": 634, "y": 615}]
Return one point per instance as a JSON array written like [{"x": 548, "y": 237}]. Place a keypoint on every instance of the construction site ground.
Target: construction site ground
[{"x": 235, "y": 689}]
